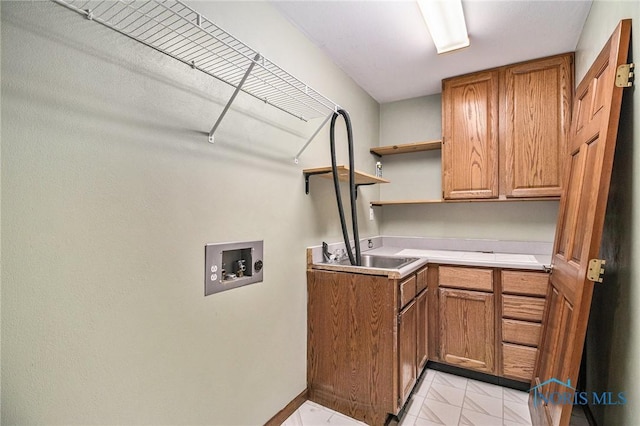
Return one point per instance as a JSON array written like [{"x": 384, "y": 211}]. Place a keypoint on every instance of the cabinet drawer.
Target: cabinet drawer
[
  {"x": 467, "y": 278},
  {"x": 522, "y": 307},
  {"x": 529, "y": 283},
  {"x": 518, "y": 361},
  {"x": 407, "y": 290},
  {"x": 421, "y": 275},
  {"x": 522, "y": 332}
]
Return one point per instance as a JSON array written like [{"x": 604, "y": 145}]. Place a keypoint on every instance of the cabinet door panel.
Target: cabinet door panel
[
  {"x": 470, "y": 136},
  {"x": 350, "y": 334},
  {"x": 407, "y": 332},
  {"x": 422, "y": 354},
  {"x": 537, "y": 105},
  {"x": 467, "y": 329}
]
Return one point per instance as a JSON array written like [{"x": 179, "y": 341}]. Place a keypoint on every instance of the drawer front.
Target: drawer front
[
  {"x": 522, "y": 307},
  {"x": 422, "y": 280},
  {"x": 529, "y": 283},
  {"x": 521, "y": 332},
  {"x": 407, "y": 290},
  {"x": 518, "y": 361},
  {"x": 467, "y": 278}
]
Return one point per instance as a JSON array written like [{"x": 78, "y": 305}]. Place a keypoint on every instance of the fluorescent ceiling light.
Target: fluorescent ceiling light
[{"x": 445, "y": 21}]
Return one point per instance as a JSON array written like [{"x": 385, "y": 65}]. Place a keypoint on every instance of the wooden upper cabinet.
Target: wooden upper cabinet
[
  {"x": 537, "y": 105},
  {"x": 470, "y": 136},
  {"x": 505, "y": 130}
]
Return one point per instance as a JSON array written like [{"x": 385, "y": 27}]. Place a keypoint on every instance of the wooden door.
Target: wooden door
[
  {"x": 467, "y": 325},
  {"x": 580, "y": 221},
  {"x": 470, "y": 136},
  {"x": 537, "y": 114},
  {"x": 407, "y": 333},
  {"x": 422, "y": 354}
]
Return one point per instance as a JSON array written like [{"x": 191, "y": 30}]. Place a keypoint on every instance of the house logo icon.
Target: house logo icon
[{"x": 538, "y": 396}]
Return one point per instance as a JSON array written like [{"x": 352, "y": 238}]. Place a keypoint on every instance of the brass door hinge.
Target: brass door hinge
[
  {"x": 596, "y": 269},
  {"x": 624, "y": 75}
]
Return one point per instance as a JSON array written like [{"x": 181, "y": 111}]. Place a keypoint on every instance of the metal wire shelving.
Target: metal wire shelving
[{"x": 175, "y": 29}]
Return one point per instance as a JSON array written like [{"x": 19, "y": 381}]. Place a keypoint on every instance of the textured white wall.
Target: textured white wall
[
  {"x": 613, "y": 341},
  {"x": 110, "y": 192},
  {"x": 418, "y": 176}
]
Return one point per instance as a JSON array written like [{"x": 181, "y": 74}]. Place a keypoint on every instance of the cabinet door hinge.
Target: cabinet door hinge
[
  {"x": 624, "y": 75},
  {"x": 595, "y": 270}
]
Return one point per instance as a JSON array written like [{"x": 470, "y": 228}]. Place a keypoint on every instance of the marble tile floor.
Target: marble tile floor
[{"x": 443, "y": 399}]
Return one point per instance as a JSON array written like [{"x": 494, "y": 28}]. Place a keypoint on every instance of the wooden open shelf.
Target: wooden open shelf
[
  {"x": 406, "y": 148},
  {"x": 486, "y": 200},
  {"x": 343, "y": 174}
]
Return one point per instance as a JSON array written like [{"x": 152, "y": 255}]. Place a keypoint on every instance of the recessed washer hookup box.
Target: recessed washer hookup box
[{"x": 232, "y": 265}]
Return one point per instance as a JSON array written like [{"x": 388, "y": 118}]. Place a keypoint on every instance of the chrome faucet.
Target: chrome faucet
[{"x": 328, "y": 256}]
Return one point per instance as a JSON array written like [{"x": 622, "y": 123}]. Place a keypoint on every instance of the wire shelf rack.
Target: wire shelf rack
[{"x": 175, "y": 29}]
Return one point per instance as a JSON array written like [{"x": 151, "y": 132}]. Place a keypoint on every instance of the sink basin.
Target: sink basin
[{"x": 382, "y": 262}]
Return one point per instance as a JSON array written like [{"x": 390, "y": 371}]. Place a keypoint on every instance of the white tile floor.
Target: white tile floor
[{"x": 442, "y": 399}]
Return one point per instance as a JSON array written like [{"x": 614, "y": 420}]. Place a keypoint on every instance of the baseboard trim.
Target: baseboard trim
[
  {"x": 288, "y": 410},
  {"x": 483, "y": 377}
]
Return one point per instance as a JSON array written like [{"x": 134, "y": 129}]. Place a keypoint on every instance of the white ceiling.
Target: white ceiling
[{"x": 386, "y": 48}]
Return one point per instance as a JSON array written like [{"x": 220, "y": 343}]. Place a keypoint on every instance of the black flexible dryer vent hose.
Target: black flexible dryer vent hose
[{"x": 355, "y": 260}]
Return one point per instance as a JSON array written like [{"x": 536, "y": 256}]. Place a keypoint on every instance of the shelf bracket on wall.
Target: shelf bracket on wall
[
  {"x": 311, "y": 138},
  {"x": 233, "y": 97},
  {"x": 306, "y": 178}
]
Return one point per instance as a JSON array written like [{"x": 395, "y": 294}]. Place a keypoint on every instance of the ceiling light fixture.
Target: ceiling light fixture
[{"x": 445, "y": 21}]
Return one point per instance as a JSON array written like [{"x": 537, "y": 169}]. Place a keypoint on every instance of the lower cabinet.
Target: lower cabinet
[
  {"x": 489, "y": 319},
  {"x": 467, "y": 329},
  {"x": 369, "y": 337},
  {"x": 366, "y": 341},
  {"x": 407, "y": 349},
  {"x": 422, "y": 306}
]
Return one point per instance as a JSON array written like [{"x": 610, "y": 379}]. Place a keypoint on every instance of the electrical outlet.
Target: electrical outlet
[{"x": 370, "y": 213}]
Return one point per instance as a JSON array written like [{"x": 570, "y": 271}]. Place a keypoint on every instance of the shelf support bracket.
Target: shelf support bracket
[
  {"x": 233, "y": 97},
  {"x": 311, "y": 138},
  {"x": 306, "y": 179},
  {"x": 358, "y": 185},
  {"x": 309, "y": 174}
]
